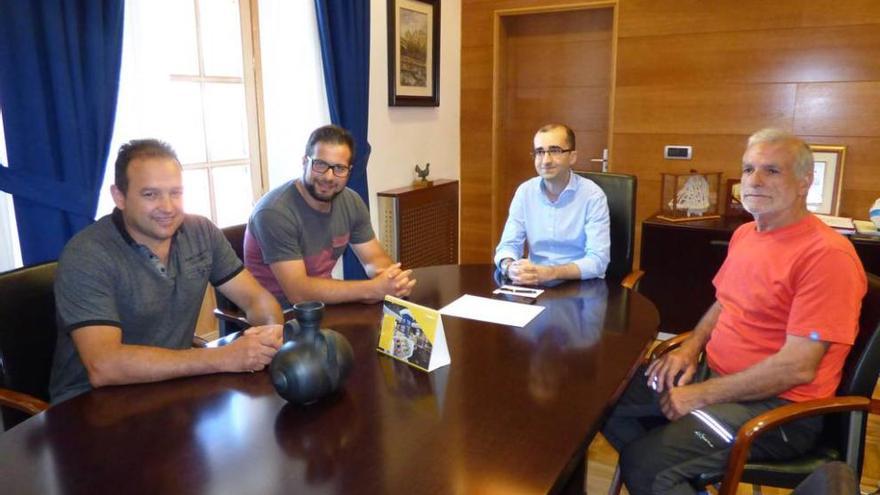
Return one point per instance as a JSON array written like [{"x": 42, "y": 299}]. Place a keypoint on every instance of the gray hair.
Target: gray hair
[{"x": 803, "y": 156}]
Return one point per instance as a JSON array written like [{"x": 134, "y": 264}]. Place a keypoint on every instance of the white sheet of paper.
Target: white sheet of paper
[{"x": 492, "y": 310}]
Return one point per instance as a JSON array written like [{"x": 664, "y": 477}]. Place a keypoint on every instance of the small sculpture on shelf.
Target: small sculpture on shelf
[
  {"x": 689, "y": 196},
  {"x": 422, "y": 180},
  {"x": 694, "y": 196}
]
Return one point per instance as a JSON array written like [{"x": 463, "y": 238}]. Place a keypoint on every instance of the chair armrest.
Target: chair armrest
[
  {"x": 23, "y": 402},
  {"x": 773, "y": 418},
  {"x": 632, "y": 279},
  {"x": 667, "y": 346},
  {"x": 236, "y": 317}
]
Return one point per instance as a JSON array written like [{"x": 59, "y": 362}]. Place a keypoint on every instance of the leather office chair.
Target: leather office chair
[
  {"x": 229, "y": 316},
  {"x": 27, "y": 340},
  {"x": 620, "y": 189},
  {"x": 845, "y": 420}
]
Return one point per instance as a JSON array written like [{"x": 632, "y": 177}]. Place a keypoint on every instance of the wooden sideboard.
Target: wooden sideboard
[{"x": 680, "y": 259}]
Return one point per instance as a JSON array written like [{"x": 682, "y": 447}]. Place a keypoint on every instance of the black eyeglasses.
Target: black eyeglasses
[
  {"x": 553, "y": 151},
  {"x": 320, "y": 166}
]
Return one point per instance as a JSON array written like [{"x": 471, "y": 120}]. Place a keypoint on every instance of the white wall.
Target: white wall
[{"x": 401, "y": 137}]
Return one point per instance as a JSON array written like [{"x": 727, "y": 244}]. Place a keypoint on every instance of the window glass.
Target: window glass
[
  {"x": 198, "y": 106},
  {"x": 226, "y": 121},
  {"x": 196, "y": 192},
  {"x": 221, "y": 37},
  {"x": 185, "y": 122},
  {"x": 178, "y": 42},
  {"x": 202, "y": 108},
  {"x": 232, "y": 207}
]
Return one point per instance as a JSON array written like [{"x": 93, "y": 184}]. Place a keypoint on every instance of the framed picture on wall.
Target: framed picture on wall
[
  {"x": 824, "y": 195},
  {"x": 735, "y": 207},
  {"x": 414, "y": 53}
]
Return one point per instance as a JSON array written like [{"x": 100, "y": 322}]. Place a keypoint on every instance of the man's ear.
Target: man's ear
[
  {"x": 118, "y": 196},
  {"x": 573, "y": 157},
  {"x": 805, "y": 184}
]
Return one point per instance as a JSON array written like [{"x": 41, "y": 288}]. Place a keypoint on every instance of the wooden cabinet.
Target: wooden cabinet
[{"x": 680, "y": 260}]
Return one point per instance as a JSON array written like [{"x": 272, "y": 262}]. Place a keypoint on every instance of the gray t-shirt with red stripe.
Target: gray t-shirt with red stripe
[{"x": 283, "y": 227}]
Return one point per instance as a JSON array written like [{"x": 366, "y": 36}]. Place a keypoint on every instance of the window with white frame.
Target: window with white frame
[
  {"x": 189, "y": 78},
  {"x": 183, "y": 81},
  {"x": 192, "y": 75}
]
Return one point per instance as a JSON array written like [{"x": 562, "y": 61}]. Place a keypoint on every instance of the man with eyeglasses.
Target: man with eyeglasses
[
  {"x": 298, "y": 231},
  {"x": 562, "y": 216}
]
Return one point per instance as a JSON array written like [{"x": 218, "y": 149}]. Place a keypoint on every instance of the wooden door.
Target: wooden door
[{"x": 550, "y": 67}]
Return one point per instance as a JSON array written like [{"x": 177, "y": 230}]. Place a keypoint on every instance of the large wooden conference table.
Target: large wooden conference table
[{"x": 513, "y": 413}]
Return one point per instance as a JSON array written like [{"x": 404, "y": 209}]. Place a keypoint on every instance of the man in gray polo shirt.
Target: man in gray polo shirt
[
  {"x": 129, "y": 287},
  {"x": 298, "y": 231}
]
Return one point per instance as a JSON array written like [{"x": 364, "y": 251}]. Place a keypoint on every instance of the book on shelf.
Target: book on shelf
[
  {"x": 844, "y": 225},
  {"x": 866, "y": 227}
]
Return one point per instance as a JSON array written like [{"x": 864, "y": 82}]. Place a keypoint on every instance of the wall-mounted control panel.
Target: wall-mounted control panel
[{"x": 677, "y": 152}]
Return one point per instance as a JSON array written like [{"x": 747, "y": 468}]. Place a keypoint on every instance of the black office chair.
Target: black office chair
[
  {"x": 27, "y": 341},
  {"x": 229, "y": 317},
  {"x": 620, "y": 189},
  {"x": 845, "y": 420}
]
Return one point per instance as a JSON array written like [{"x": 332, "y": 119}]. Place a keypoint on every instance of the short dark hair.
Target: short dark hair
[
  {"x": 569, "y": 134},
  {"x": 135, "y": 149},
  {"x": 331, "y": 134}
]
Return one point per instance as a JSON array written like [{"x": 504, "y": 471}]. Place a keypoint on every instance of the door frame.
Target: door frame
[{"x": 498, "y": 213}]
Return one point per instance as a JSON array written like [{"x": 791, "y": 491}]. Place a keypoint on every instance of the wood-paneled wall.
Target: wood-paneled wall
[{"x": 704, "y": 74}]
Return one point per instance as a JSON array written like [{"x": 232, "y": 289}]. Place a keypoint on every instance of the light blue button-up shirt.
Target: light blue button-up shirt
[{"x": 573, "y": 229}]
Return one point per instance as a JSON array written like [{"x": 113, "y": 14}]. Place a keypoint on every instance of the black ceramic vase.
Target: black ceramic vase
[{"x": 313, "y": 362}]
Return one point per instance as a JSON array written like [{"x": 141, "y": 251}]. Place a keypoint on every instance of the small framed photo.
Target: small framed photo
[
  {"x": 734, "y": 207},
  {"x": 824, "y": 195},
  {"x": 413, "y": 53}
]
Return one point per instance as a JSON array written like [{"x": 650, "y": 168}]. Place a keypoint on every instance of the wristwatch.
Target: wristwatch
[{"x": 505, "y": 267}]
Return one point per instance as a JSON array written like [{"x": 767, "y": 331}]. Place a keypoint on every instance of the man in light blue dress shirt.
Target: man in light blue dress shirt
[{"x": 562, "y": 216}]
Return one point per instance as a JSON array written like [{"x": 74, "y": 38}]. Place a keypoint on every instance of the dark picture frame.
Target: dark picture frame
[{"x": 414, "y": 53}]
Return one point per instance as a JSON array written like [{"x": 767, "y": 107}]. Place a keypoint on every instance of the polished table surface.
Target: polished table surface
[{"x": 513, "y": 413}]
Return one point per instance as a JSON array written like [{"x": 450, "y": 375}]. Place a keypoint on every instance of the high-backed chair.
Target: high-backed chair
[
  {"x": 620, "y": 189},
  {"x": 235, "y": 235},
  {"x": 845, "y": 415},
  {"x": 27, "y": 340},
  {"x": 227, "y": 312}
]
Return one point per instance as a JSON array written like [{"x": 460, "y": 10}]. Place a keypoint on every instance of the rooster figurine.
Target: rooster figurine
[{"x": 423, "y": 175}]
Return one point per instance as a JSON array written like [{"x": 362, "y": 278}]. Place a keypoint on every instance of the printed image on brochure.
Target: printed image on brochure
[{"x": 408, "y": 332}]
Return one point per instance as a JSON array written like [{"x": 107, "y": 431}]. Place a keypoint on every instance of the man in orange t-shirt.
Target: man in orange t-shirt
[{"x": 786, "y": 314}]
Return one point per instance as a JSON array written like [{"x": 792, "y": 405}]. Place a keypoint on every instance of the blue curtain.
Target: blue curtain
[
  {"x": 344, "y": 31},
  {"x": 59, "y": 77}
]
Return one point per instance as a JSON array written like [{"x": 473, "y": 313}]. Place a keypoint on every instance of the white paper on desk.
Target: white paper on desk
[{"x": 492, "y": 310}]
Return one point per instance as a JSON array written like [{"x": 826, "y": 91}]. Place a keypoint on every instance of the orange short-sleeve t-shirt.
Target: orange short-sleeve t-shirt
[{"x": 804, "y": 279}]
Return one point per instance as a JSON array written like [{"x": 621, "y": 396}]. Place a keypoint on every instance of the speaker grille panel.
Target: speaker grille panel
[{"x": 425, "y": 223}]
